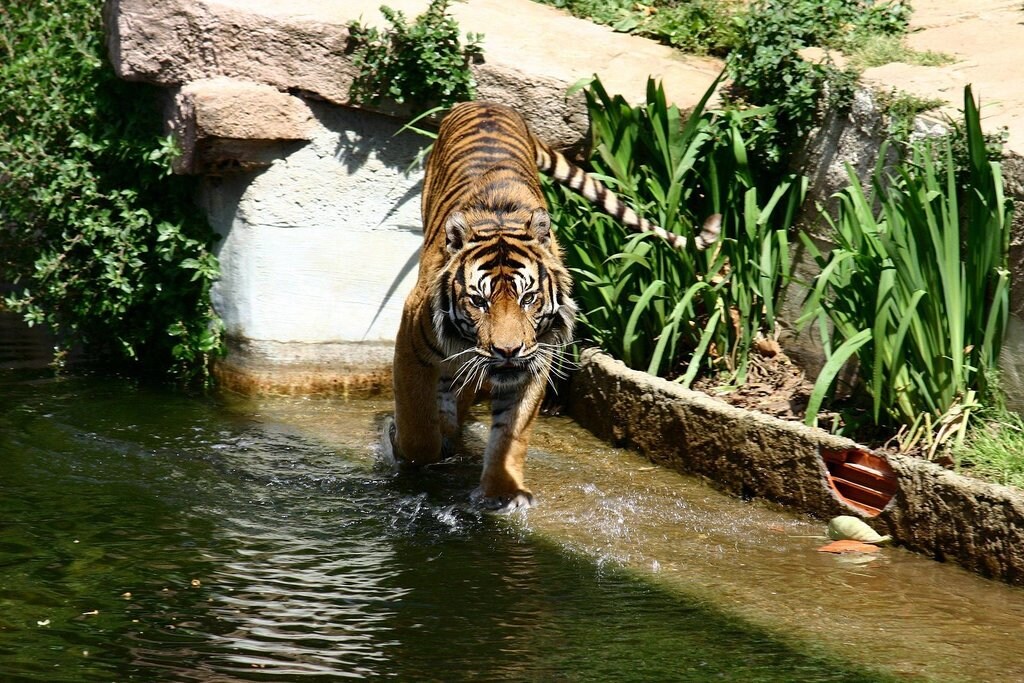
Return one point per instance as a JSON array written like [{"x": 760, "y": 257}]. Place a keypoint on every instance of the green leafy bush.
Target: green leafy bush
[
  {"x": 423, "y": 63},
  {"x": 659, "y": 309},
  {"x": 766, "y": 66},
  {"x": 918, "y": 289},
  {"x": 695, "y": 26},
  {"x": 101, "y": 243},
  {"x": 699, "y": 26}
]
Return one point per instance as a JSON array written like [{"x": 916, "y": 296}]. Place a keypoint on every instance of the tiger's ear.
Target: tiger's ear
[
  {"x": 540, "y": 223},
  {"x": 455, "y": 229}
]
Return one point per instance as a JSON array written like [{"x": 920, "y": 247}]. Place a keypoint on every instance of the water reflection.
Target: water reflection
[{"x": 296, "y": 610}]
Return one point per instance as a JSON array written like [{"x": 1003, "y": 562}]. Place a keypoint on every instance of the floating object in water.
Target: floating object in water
[
  {"x": 848, "y": 546},
  {"x": 847, "y": 527}
]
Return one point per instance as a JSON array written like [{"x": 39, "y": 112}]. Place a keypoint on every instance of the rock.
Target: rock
[
  {"x": 174, "y": 42},
  {"x": 223, "y": 124},
  {"x": 532, "y": 53}
]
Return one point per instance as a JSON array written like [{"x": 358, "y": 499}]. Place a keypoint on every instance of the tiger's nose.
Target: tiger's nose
[{"x": 506, "y": 352}]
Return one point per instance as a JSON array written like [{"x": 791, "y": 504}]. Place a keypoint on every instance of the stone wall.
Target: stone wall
[{"x": 317, "y": 252}]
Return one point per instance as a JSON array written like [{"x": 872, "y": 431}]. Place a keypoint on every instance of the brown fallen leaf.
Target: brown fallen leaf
[
  {"x": 848, "y": 546},
  {"x": 769, "y": 348}
]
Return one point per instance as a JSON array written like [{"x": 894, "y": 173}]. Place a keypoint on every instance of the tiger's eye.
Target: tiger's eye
[
  {"x": 478, "y": 301},
  {"x": 528, "y": 299}
]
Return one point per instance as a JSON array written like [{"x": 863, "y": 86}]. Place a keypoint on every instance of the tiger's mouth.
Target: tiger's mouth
[{"x": 508, "y": 372}]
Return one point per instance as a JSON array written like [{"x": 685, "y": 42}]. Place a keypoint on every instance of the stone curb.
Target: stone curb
[
  {"x": 348, "y": 370},
  {"x": 934, "y": 511}
]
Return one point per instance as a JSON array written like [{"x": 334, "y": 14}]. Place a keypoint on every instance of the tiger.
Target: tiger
[{"x": 491, "y": 307}]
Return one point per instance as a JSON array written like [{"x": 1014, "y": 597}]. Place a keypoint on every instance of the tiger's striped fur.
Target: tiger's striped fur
[
  {"x": 492, "y": 305},
  {"x": 554, "y": 164}
]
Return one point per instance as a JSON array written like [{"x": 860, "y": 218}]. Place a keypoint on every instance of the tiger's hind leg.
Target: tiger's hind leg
[
  {"x": 454, "y": 405},
  {"x": 417, "y": 433}
]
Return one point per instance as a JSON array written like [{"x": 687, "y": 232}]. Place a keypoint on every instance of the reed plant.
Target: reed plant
[
  {"x": 917, "y": 288},
  {"x": 667, "y": 311}
]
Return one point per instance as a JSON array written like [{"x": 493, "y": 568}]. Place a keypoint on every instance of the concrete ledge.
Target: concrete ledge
[
  {"x": 934, "y": 511},
  {"x": 347, "y": 369}
]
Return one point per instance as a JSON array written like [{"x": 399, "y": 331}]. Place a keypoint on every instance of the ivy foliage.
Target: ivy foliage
[
  {"x": 423, "y": 63},
  {"x": 100, "y": 242}
]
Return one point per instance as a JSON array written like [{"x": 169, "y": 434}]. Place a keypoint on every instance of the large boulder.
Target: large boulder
[{"x": 532, "y": 53}]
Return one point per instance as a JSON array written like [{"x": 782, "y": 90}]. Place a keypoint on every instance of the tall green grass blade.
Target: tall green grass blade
[
  {"x": 639, "y": 308},
  {"x": 670, "y": 334},
  {"x": 702, "y": 348},
  {"x": 829, "y": 372}
]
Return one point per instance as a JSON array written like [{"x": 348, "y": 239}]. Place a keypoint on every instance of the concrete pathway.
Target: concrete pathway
[{"x": 986, "y": 37}]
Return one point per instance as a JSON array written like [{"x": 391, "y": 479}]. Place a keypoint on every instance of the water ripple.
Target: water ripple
[{"x": 148, "y": 536}]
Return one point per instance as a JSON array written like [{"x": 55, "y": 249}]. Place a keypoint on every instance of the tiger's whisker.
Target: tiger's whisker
[
  {"x": 470, "y": 369},
  {"x": 458, "y": 353}
]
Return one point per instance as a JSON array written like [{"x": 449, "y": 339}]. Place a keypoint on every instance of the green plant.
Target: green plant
[
  {"x": 623, "y": 15},
  {"x": 102, "y": 244},
  {"x": 902, "y": 108},
  {"x": 993, "y": 448},
  {"x": 696, "y": 26},
  {"x": 919, "y": 290},
  {"x": 767, "y": 68},
  {"x": 700, "y": 26},
  {"x": 638, "y": 298},
  {"x": 659, "y": 309},
  {"x": 884, "y": 48},
  {"x": 422, "y": 63}
]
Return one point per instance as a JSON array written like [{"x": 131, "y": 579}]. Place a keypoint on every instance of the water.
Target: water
[{"x": 150, "y": 536}]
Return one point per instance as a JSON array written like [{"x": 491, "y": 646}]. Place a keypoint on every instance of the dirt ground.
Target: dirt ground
[
  {"x": 774, "y": 386},
  {"x": 986, "y": 38}
]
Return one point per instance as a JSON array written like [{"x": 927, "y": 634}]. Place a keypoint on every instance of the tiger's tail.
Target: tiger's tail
[{"x": 553, "y": 163}]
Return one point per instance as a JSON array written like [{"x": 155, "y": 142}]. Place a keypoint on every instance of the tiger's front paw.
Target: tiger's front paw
[{"x": 503, "y": 503}]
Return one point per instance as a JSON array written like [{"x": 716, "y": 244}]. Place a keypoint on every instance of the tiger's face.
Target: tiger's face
[{"x": 502, "y": 306}]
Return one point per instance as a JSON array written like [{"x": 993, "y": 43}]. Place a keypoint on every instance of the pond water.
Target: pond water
[{"x": 147, "y": 535}]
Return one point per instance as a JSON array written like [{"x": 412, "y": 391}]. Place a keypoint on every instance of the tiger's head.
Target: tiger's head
[{"x": 502, "y": 304}]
